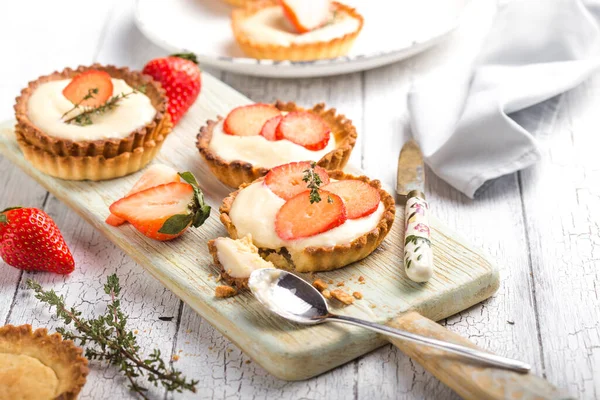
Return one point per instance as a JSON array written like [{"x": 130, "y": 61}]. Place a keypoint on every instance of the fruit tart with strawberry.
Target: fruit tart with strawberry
[
  {"x": 97, "y": 122},
  {"x": 252, "y": 139},
  {"x": 305, "y": 218},
  {"x": 296, "y": 30}
]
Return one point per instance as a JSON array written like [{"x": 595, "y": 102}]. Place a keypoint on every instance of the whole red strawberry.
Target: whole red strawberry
[
  {"x": 30, "y": 240},
  {"x": 179, "y": 75}
]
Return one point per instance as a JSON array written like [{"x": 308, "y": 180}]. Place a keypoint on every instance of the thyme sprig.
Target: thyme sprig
[
  {"x": 108, "y": 339},
  {"x": 90, "y": 95},
  {"x": 85, "y": 118},
  {"x": 314, "y": 182}
]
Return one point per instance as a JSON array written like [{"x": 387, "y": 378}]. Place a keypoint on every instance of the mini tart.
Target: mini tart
[
  {"x": 235, "y": 173},
  {"x": 68, "y": 159},
  {"x": 317, "y": 259},
  {"x": 36, "y": 365},
  {"x": 317, "y": 50}
]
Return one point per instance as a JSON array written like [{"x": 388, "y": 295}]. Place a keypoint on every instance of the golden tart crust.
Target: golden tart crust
[
  {"x": 235, "y": 173},
  {"x": 239, "y": 3},
  {"x": 317, "y": 259},
  {"x": 37, "y": 365},
  {"x": 295, "y": 51}
]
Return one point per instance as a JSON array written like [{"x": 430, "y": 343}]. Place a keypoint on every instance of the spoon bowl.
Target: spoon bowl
[{"x": 288, "y": 296}]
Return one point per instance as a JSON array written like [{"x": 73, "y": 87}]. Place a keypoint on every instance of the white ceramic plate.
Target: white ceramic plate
[{"x": 393, "y": 30}]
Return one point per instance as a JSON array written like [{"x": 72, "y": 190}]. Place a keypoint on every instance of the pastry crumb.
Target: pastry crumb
[
  {"x": 175, "y": 357},
  {"x": 136, "y": 332},
  {"x": 222, "y": 292},
  {"x": 342, "y": 283},
  {"x": 357, "y": 295},
  {"x": 326, "y": 293},
  {"x": 373, "y": 306},
  {"x": 320, "y": 285},
  {"x": 342, "y": 296},
  {"x": 330, "y": 281},
  {"x": 361, "y": 278},
  {"x": 248, "y": 361}
]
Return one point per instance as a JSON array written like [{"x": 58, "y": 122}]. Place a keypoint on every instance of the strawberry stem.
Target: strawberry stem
[
  {"x": 187, "y": 56},
  {"x": 3, "y": 217}
]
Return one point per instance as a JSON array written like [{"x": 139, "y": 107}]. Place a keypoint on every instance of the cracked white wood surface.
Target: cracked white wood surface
[{"x": 541, "y": 226}]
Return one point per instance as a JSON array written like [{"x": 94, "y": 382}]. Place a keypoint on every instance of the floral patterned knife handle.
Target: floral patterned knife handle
[{"x": 418, "y": 257}]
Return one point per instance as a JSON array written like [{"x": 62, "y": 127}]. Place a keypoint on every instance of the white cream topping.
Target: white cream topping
[
  {"x": 261, "y": 152},
  {"x": 269, "y": 25},
  {"x": 255, "y": 207},
  {"x": 47, "y": 105},
  {"x": 239, "y": 257}
]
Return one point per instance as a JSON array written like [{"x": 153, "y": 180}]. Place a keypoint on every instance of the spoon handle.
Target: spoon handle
[{"x": 472, "y": 354}]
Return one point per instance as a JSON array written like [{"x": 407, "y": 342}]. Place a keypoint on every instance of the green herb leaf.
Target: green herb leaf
[
  {"x": 313, "y": 181},
  {"x": 175, "y": 224}
]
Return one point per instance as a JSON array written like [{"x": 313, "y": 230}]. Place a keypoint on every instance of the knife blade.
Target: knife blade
[{"x": 410, "y": 185}]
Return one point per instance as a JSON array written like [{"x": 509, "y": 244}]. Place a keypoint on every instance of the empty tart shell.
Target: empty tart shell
[
  {"x": 37, "y": 365},
  {"x": 105, "y": 147},
  {"x": 234, "y": 173},
  {"x": 317, "y": 50},
  {"x": 316, "y": 258}
]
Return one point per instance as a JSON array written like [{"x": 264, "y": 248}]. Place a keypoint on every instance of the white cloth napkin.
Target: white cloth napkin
[{"x": 535, "y": 50}]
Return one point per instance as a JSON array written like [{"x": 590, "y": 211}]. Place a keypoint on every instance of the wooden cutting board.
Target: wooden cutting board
[{"x": 463, "y": 275}]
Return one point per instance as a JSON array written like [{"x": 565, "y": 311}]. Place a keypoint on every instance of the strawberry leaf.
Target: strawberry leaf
[
  {"x": 175, "y": 224},
  {"x": 201, "y": 215},
  {"x": 189, "y": 178},
  {"x": 187, "y": 56},
  {"x": 3, "y": 219}
]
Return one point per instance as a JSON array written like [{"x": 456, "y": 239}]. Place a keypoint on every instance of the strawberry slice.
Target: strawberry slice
[
  {"x": 249, "y": 120},
  {"x": 89, "y": 89},
  {"x": 306, "y": 15},
  {"x": 286, "y": 180},
  {"x": 157, "y": 174},
  {"x": 299, "y": 218},
  {"x": 305, "y": 129},
  {"x": 360, "y": 198},
  {"x": 269, "y": 129},
  {"x": 164, "y": 212}
]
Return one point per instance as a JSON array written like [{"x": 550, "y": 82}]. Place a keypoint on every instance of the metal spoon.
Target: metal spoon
[{"x": 292, "y": 298}]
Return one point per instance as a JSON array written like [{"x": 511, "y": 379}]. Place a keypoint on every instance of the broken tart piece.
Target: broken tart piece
[
  {"x": 237, "y": 259},
  {"x": 305, "y": 218},
  {"x": 252, "y": 139}
]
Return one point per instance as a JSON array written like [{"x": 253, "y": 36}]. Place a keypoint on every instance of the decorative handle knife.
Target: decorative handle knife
[{"x": 410, "y": 184}]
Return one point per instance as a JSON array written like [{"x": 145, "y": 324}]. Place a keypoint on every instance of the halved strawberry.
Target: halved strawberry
[
  {"x": 360, "y": 198},
  {"x": 299, "y": 218},
  {"x": 305, "y": 129},
  {"x": 269, "y": 129},
  {"x": 249, "y": 120},
  {"x": 164, "y": 212},
  {"x": 155, "y": 175},
  {"x": 90, "y": 89},
  {"x": 306, "y": 15},
  {"x": 286, "y": 180}
]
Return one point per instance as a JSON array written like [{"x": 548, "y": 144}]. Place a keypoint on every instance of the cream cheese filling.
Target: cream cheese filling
[
  {"x": 239, "y": 257},
  {"x": 261, "y": 152},
  {"x": 269, "y": 25},
  {"x": 47, "y": 105},
  {"x": 255, "y": 207}
]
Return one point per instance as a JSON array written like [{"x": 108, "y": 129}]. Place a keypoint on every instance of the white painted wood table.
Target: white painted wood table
[{"x": 541, "y": 225}]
